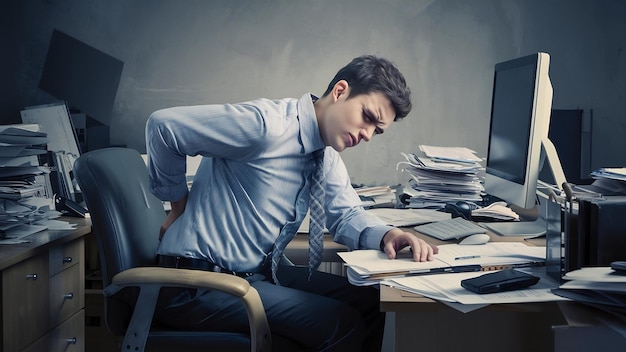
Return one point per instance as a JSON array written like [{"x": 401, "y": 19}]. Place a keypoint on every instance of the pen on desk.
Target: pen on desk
[{"x": 467, "y": 257}]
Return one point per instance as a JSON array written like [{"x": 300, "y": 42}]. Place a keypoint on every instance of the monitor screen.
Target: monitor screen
[
  {"x": 83, "y": 76},
  {"x": 520, "y": 115}
]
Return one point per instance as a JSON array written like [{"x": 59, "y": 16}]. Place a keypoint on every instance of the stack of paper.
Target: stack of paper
[
  {"x": 368, "y": 267},
  {"x": 614, "y": 173},
  {"x": 442, "y": 175},
  {"x": 600, "y": 287},
  {"x": 26, "y": 202},
  {"x": 447, "y": 288},
  {"x": 21, "y": 175},
  {"x": 607, "y": 182},
  {"x": 376, "y": 196}
]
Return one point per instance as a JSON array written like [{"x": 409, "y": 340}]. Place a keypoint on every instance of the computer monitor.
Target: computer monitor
[{"x": 518, "y": 132}]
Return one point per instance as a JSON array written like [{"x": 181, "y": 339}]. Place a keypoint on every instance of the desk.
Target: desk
[
  {"x": 425, "y": 324},
  {"x": 298, "y": 250},
  {"x": 42, "y": 291},
  {"x": 437, "y": 327}
]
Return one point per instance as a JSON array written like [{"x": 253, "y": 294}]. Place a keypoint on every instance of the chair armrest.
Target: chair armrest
[
  {"x": 151, "y": 279},
  {"x": 170, "y": 277}
]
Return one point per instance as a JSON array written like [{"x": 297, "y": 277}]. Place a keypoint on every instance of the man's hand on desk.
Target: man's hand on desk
[{"x": 396, "y": 239}]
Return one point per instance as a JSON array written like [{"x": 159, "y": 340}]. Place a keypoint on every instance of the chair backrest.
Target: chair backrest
[{"x": 125, "y": 216}]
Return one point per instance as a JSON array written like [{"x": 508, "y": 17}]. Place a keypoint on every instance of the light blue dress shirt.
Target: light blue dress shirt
[{"x": 253, "y": 179}]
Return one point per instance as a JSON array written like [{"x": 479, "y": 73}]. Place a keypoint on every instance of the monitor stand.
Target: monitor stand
[{"x": 523, "y": 228}]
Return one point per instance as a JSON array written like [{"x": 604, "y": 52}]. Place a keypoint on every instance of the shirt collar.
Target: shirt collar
[{"x": 309, "y": 130}]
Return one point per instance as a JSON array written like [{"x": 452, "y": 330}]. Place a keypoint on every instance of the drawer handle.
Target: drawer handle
[
  {"x": 68, "y": 295},
  {"x": 67, "y": 260},
  {"x": 31, "y": 276},
  {"x": 71, "y": 341}
]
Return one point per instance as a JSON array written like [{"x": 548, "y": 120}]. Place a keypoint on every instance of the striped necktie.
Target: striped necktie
[
  {"x": 316, "y": 225},
  {"x": 318, "y": 216}
]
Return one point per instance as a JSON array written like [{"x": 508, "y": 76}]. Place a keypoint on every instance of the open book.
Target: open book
[{"x": 367, "y": 267}]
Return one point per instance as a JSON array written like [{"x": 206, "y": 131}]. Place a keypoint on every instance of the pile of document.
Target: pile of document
[
  {"x": 55, "y": 120},
  {"x": 447, "y": 289},
  {"x": 614, "y": 173},
  {"x": 607, "y": 181},
  {"x": 441, "y": 175},
  {"x": 369, "y": 267},
  {"x": 599, "y": 287},
  {"x": 26, "y": 200},
  {"x": 441, "y": 278},
  {"x": 376, "y": 196}
]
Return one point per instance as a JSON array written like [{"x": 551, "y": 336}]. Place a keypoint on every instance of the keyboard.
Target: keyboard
[{"x": 454, "y": 228}]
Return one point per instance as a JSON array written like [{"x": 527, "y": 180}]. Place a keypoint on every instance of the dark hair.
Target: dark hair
[{"x": 366, "y": 74}]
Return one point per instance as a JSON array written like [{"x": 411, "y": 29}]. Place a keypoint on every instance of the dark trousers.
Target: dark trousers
[{"x": 325, "y": 313}]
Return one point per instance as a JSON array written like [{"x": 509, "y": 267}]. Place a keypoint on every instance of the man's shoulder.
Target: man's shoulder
[
  {"x": 271, "y": 104},
  {"x": 274, "y": 111}
]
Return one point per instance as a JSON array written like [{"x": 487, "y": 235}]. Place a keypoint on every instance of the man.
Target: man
[{"x": 253, "y": 182}]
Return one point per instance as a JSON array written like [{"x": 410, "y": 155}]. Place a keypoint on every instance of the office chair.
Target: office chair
[{"x": 126, "y": 219}]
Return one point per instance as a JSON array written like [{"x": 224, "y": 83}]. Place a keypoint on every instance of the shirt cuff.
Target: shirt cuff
[{"x": 372, "y": 236}]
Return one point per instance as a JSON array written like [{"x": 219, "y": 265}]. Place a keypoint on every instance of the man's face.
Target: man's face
[{"x": 350, "y": 120}]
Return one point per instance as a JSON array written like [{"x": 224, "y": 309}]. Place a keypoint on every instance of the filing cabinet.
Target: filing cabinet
[{"x": 43, "y": 300}]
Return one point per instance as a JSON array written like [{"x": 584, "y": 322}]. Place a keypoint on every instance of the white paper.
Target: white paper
[
  {"x": 596, "y": 286},
  {"x": 368, "y": 262},
  {"x": 449, "y": 287},
  {"x": 595, "y": 274},
  {"x": 450, "y": 153}
]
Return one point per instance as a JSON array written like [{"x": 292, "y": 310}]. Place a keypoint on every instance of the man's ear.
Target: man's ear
[{"x": 340, "y": 88}]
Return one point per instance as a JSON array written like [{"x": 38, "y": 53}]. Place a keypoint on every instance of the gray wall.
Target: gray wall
[{"x": 199, "y": 52}]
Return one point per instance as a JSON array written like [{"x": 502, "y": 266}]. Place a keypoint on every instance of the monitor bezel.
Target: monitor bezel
[{"x": 501, "y": 185}]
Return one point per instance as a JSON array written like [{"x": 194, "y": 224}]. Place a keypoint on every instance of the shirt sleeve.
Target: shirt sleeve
[
  {"x": 351, "y": 225},
  {"x": 208, "y": 130}
]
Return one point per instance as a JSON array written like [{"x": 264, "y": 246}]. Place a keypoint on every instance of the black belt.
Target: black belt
[{"x": 169, "y": 261}]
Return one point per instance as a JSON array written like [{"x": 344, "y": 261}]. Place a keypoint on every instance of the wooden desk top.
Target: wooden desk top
[{"x": 11, "y": 254}]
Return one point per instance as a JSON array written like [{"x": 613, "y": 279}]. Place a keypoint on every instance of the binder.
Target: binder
[{"x": 602, "y": 231}]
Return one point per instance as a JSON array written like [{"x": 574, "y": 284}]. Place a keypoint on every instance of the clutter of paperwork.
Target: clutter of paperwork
[
  {"x": 368, "y": 267},
  {"x": 601, "y": 287},
  {"x": 442, "y": 175},
  {"x": 607, "y": 182},
  {"x": 376, "y": 196},
  {"x": 26, "y": 199},
  {"x": 447, "y": 288},
  {"x": 456, "y": 154},
  {"x": 614, "y": 173}
]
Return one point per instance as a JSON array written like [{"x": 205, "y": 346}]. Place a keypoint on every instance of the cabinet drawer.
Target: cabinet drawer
[
  {"x": 24, "y": 302},
  {"x": 64, "y": 256},
  {"x": 67, "y": 294},
  {"x": 67, "y": 337}
]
